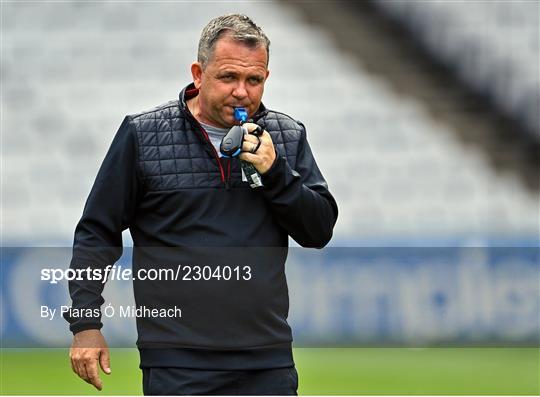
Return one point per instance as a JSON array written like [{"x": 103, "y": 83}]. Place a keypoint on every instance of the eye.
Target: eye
[
  {"x": 227, "y": 77},
  {"x": 255, "y": 80}
]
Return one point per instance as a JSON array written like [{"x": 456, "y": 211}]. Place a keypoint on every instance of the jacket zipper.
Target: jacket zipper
[
  {"x": 216, "y": 156},
  {"x": 207, "y": 139},
  {"x": 228, "y": 173}
]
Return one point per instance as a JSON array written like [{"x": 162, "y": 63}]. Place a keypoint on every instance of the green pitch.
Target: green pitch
[{"x": 321, "y": 371}]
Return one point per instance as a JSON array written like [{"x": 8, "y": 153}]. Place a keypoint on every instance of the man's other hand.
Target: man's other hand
[
  {"x": 265, "y": 155},
  {"x": 87, "y": 350}
]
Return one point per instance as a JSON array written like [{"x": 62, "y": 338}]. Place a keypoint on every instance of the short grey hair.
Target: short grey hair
[{"x": 237, "y": 26}]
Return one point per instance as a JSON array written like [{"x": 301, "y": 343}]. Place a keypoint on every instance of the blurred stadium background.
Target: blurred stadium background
[{"x": 424, "y": 117}]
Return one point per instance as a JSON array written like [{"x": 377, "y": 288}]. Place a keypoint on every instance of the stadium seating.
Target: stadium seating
[{"x": 492, "y": 46}]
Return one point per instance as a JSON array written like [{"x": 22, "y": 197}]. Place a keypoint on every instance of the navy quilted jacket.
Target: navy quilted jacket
[{"x": 183, "y": 204}]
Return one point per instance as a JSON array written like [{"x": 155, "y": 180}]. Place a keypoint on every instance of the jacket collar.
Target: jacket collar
[{"x": 190, "y": 91}]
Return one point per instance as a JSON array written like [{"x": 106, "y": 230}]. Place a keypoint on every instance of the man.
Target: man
[{"x": 163, "y": 179}]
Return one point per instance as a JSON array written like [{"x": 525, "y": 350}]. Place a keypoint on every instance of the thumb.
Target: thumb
[{"x": 105, "y": 361}]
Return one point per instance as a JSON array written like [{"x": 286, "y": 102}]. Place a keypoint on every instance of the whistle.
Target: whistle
[{"x": 231, "y": 146}]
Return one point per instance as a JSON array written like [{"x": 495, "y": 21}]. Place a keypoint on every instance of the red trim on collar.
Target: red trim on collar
[{"x": 192, "y": 92}]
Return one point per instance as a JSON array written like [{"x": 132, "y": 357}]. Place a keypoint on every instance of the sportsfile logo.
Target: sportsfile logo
[
  {"x": 53, "y": 276},
  {"x": 120, "y": 273}
]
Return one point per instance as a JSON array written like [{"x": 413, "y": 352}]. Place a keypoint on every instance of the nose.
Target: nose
[{"x": 240, "y": 91}]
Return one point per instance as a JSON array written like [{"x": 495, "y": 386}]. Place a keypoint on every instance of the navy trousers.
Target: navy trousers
[{"x": 182, "y": 381}]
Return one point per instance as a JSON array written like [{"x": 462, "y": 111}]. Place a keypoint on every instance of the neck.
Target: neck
[
  {"x": 193, "y": 106},
  {"x": 195, "y": 109}
]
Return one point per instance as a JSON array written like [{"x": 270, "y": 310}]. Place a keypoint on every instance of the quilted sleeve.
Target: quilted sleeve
[
  {"x": 299, "y": 198},
  {"x": 98, "y": 235}
]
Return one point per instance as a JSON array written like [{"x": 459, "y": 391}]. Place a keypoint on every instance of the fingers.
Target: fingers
[
  {"x": 84, "y": 362},
  {"x": 262, "y": 140},
  {"x": 250, "y": 158},
  {"x": 261, "y": 146},
  {"x": 92, "y": 372},
  {"x": 251, "y": 127},
  {"x": 251, "y": 138},
  {"x": 72, "y": 364},
  {"x": 81, "y": 370},
  {"x": 264, "y": 137},
  {"x": 251, "y": 147},
  {"x": 263, "y": 156},
  {"x": 105, "y": 361},
  {"x": 257, "y": 131},
  {"x": 77, "y": 364}
]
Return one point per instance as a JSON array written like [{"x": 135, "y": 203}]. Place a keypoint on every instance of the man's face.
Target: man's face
[{"x": 234, "y": 77}]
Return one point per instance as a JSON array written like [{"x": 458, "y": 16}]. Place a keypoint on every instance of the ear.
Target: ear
[
  {"x": 267, "y": 74},
  {"x": 196, "y": 73}
]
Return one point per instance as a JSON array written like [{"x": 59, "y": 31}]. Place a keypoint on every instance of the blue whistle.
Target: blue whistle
[{"x": 240, "y": 114}]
